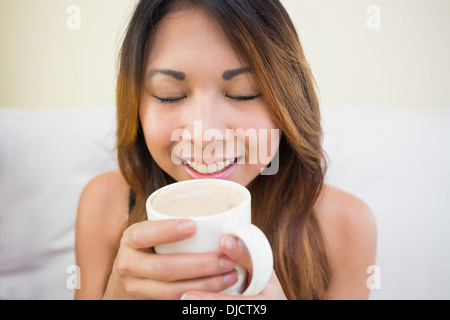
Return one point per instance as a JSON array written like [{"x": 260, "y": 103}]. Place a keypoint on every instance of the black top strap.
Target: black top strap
[{"x": 132, "y": 200}]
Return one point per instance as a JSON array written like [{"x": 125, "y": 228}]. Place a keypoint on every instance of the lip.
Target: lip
[
  {"x": 207, "y": 160},
  {"x": 224, "y": 174}
]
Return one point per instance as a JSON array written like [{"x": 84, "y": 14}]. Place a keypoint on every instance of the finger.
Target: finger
[
  {"x": 175, "y": 267},
  {"x": 236, "y": 250},
  {"x": 207, "y": 295},
  {"x": 147, "y": 233},
  {"x": 149, "y": 289},
  {"x": 273, "y": 291}
]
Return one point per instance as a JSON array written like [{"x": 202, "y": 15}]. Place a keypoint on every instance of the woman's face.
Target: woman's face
[{"x": 202, "y": 112}]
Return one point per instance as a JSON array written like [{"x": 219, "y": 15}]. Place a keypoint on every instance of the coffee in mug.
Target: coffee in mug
[{"x": 200, "y": 199}]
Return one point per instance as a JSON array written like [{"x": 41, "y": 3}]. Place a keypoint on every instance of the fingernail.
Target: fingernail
[
  {"x": 230, "y": 278},
  {"x": 188, "y": 296},
  {"x": 186, "y": 227},
  {"x": 228, "y": 243},
  {"x": 226, "y": 264}
]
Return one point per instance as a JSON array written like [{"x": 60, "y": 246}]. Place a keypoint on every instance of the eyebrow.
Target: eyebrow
[
  {"x": 230, "y": 74},
  {"x": 176, "y": 74}
]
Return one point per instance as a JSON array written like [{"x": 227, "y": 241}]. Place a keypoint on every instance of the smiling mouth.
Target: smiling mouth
[{"x": 210, "y": 168}]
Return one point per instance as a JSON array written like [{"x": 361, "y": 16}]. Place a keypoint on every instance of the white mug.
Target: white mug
[{"x": 212, "y": 225}]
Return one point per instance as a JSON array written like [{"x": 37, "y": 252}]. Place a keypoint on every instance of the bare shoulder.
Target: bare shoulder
[
  {"x": 101, "y": 218},
  {"x": 104, "y": 201},
  {"x": 342, "y": 211},
  {"x": 349, "y": 229}
]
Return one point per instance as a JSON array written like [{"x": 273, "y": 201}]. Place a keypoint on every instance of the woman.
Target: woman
[{"x": 228, "y": 65}]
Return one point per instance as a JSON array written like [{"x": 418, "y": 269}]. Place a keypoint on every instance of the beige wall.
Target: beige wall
[
  {"x": 405, "y": 63},
  {"x": 44, "y": 64}
]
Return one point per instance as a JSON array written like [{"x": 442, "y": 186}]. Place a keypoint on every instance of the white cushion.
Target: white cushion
[
  {"x": 394, "y": 159},
  {"x": 46, "y": 158},
  {"x": 397, "y": 160}
]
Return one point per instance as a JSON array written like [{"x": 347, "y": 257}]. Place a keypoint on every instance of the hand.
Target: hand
[
  {"x": 139, "y": 273},
  {"x": 233, "y": 248}
]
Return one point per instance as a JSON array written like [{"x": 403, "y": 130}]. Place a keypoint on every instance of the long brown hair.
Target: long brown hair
[{"x": 263, "y": 35}]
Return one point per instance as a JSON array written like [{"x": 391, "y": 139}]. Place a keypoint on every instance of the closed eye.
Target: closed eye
[
  {"x": 169, "y": 100},
  {"x": 243, "y": 98}
]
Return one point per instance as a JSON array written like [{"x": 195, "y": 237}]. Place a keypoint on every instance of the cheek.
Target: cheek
[
  {"x": 157, "y": 133},
  {"x": 267, "y": 132},
  {"x": 262, "y": 151}
]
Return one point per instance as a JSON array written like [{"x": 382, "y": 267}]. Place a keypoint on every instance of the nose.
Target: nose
[{"x": 207, "y": 120}]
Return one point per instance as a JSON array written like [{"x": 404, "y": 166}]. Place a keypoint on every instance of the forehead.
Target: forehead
[{"x": 190, "y": 37}]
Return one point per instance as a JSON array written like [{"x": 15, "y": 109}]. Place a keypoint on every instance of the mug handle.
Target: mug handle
[{"x": 260, "y": 253}]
